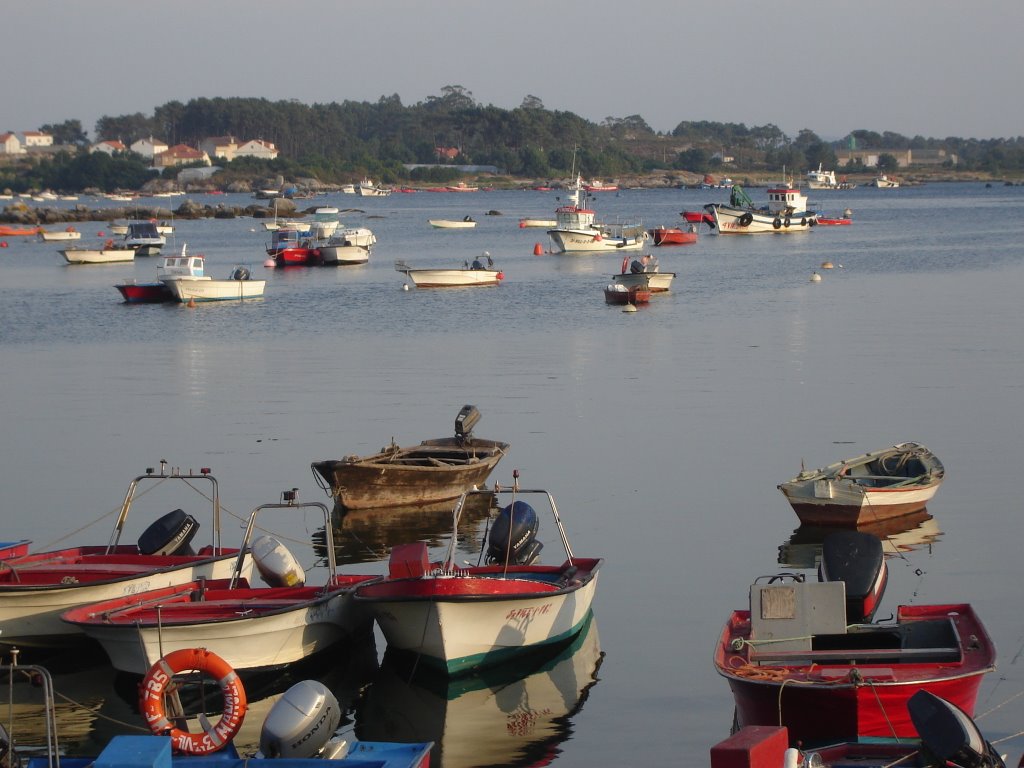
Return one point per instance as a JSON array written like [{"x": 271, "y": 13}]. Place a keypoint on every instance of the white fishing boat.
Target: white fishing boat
[
  {"x": 469, "y": 275},
  {"x": 785, "y": 213},
  {"x": 367, "y": 188},
  {"x": 576, "y": 228},
  {"x": 464, "y": 223},
  {"x": 348, "y": 246},
  {"x": 458, "y": 618},
  {"x": 822, "y": 179},
  {"x": 59, "y": 235},
  {"x": 238, "y": 286},
  {"x": 884, "y": 182},
  {"x": 108, "y": 254},
  {"x": 644, "y": 273},
  {"x": 144, "y": 238}
]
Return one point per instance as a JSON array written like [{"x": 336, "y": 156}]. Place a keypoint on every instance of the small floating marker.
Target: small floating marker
[
  {"x": 538, "y": 250},
  {"x": 848, "y": 213},
  {"x": 3, "y": 243},
  {"x": 191, "y": 304},
  {"x": 629, "y": 308},
  {"x": 100, "y": 234},
  {"x": 826, "y": 265},
  {"x": 405, "y": 286},
  {"x": 269, "y": 263},
  {"x": 815, "y": 277}
]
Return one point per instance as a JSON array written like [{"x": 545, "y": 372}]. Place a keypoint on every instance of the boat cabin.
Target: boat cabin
[
  {"x": 182, "y": 267},
  {"x": 786, "y": 200}
]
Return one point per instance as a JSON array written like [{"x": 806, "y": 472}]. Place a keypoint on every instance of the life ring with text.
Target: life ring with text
[
  {"x": 777, "y": 223},
  {"x": 157, "y": 682},
  {"x": 746, "y": 219}
]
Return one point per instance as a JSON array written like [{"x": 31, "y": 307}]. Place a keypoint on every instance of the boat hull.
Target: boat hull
[
  {"x": 344, "y": 254},
  {"x": 378, "y": 481},
  {"x": 465, "y": 622},
  {"x": 250, "y": 628},
  {"x": 594, "y": 241},
  {"x": 31, "y": 606},
  {"x": 858, "y": 491},
  {"x": 449, "y": 224},
  {"x": 674, "y": 236},
  {"x": 145, "y": 293},
  {"x": 743, "y": 221},
  {"x": 216, "y": 290},
  {"x": 97, "y": 255},
  {"x": 655, "y": 282},
  {"x": 866, "y": 694},
  {"x": 635, "y": 295},
  {"x": 50, "y": 237},
  {"x": 453, "y": 278}
]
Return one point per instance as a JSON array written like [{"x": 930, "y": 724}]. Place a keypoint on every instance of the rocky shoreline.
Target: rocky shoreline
[{"x": 19, "y": 213}]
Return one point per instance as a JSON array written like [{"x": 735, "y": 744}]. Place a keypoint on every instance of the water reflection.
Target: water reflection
[
  {"x": 900, "y": 535},
  {"x": 95, "y": 702},
  {"x": 513, "y": 715}
]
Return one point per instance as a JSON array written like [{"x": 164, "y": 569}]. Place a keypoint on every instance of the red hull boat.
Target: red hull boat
[
  {"x": 673, "y": 236},
  {"x": 289, "y": 248},
  {"x": 145, "y": 293},
  {"x": 616, "y": 294},
  {"x": 834, "y": 222},
  {"x": 698, "y": 217},
  {"x": 848, "y": 681}
]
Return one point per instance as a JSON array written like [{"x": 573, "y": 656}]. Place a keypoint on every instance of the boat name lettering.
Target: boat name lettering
[
  {"x": 527, "y": 613},
  {"x": 135, "y": 588}
]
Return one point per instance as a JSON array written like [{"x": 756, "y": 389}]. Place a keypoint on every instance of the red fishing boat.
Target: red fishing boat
[
  {"x": 289, "y": 247},
  {"x": 616, "y": 293},
  {"x": 674, "y": 235},
  {"x": 802, "y": 658},
  {"x": 698, "y": 217}
]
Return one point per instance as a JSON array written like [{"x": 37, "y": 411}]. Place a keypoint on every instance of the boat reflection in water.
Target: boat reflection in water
[
  {"x": 510, "y": 715},
  {"x": 898, "y": 535}
]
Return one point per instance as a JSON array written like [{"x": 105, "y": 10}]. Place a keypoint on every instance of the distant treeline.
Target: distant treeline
[{"x": 337, "y": 143}]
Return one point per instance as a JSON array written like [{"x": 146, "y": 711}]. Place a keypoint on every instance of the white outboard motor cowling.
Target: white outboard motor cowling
[
  {"x": 301, "y": 722},
  {"x": 277, "y": 566}
]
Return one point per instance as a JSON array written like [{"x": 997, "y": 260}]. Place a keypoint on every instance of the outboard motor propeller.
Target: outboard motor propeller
[
  {"x": 513, "y": 538},
  {"x": 171, "y": 534},
  {"x": 301, "y": 723}
]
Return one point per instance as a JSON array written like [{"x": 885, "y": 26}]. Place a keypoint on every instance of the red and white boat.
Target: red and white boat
[
  {"x": 616, "y": 293},
  {"x": 674, "y": 235},
  {"x": 290, "y": 247},
  {"x": 35, "y": 589},
  {"x": 599, "y": 186},
  {"x": 462, "y": 187},
  {"x": 644, "y": 272},
  {"x": 182, "y": 267},
  {"x": 875, "y": 486},
  {"x": 251, "y": 628},
  {"x": 459, "y": 618},
  {"x": 14, "y": 548},
  {"x": 796, "y": 658}
]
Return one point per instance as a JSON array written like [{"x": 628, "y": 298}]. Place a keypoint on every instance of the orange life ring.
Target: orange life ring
[
  {"x": 625, "y": 264},
  {"x": 157, "y": 680}
]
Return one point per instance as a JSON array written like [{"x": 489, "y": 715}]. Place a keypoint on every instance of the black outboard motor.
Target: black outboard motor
[
  {"x": 513, "y": 538},
  {"x": 856, "y": 558},
  {"x": 240, "y": 273},
  {"x": 169, "y": 535},
  {"x": 947, "y": 732}
]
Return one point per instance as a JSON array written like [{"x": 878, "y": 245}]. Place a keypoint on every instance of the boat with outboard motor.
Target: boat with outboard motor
[
  {"x": 945, "y": 736},
  {"x": 875, "y": 486},
  {"x": 250, "y": 627},
  {"x": 471, "y": 274},
  {"x": 644, "y": 273},
  {"x": 36, "y": 588},
  {"x": 808, "y": 655},
  {"x": 144, "y": 238},
  {"x": 239, "y": 285},
  {"x": 458, "y": 618},
  {"x": 181, "y": 267},
  {"x": 674, "y": 235},
  {"x": 576, "y": 228},
  {"x": 786, "y": 212},
  {"x": 434, "y": 471}
]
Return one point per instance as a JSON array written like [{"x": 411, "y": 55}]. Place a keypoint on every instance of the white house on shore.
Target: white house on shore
[
  {"x": 108, "y": 146},
  {"x": 31, "y": 139},
  {"x": 181, "y": 154},
  {"x": 228, "y": 148},
  {"x": 10, "y": 144},
  {"x": 148, "y": 147}
]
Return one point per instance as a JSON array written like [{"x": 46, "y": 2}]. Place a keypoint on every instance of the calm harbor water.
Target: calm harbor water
[{"x": 661, "y": 433}]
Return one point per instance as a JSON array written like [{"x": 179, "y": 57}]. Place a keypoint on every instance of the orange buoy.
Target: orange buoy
[
  {"x": 538, "y": 250},
  {"x": 100, "y": 233},
  {"x": 3, "y": 243},
  {"x": 191, "y": 303},
  {"x": 500, "y": 275}
]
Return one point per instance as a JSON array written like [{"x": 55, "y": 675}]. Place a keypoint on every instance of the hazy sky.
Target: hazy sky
[{"x": 934, "y": 68}]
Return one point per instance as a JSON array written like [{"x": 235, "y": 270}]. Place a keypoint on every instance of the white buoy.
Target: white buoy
[
  {"x": 405, "y": 286},
  {"x": 815, "y": 277},
  {"x": 629, "y": 308}
]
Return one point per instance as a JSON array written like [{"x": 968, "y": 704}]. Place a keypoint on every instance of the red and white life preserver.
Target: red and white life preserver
[{"x": 158, "y": 678}]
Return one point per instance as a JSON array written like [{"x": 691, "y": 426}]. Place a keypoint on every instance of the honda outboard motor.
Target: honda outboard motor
[
  {"x": 169, "y": 535},
  {"x": 513, "y": 538},
  {"x": 947, "y": 732},
  {"x": 302, "y": 722},
  {"x": 856, "y": 558}
]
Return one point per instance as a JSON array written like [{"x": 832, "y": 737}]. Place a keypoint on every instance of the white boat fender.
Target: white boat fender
[
  {"x": 791, "y": 758},
  {"x": 277, "y": 566}
]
